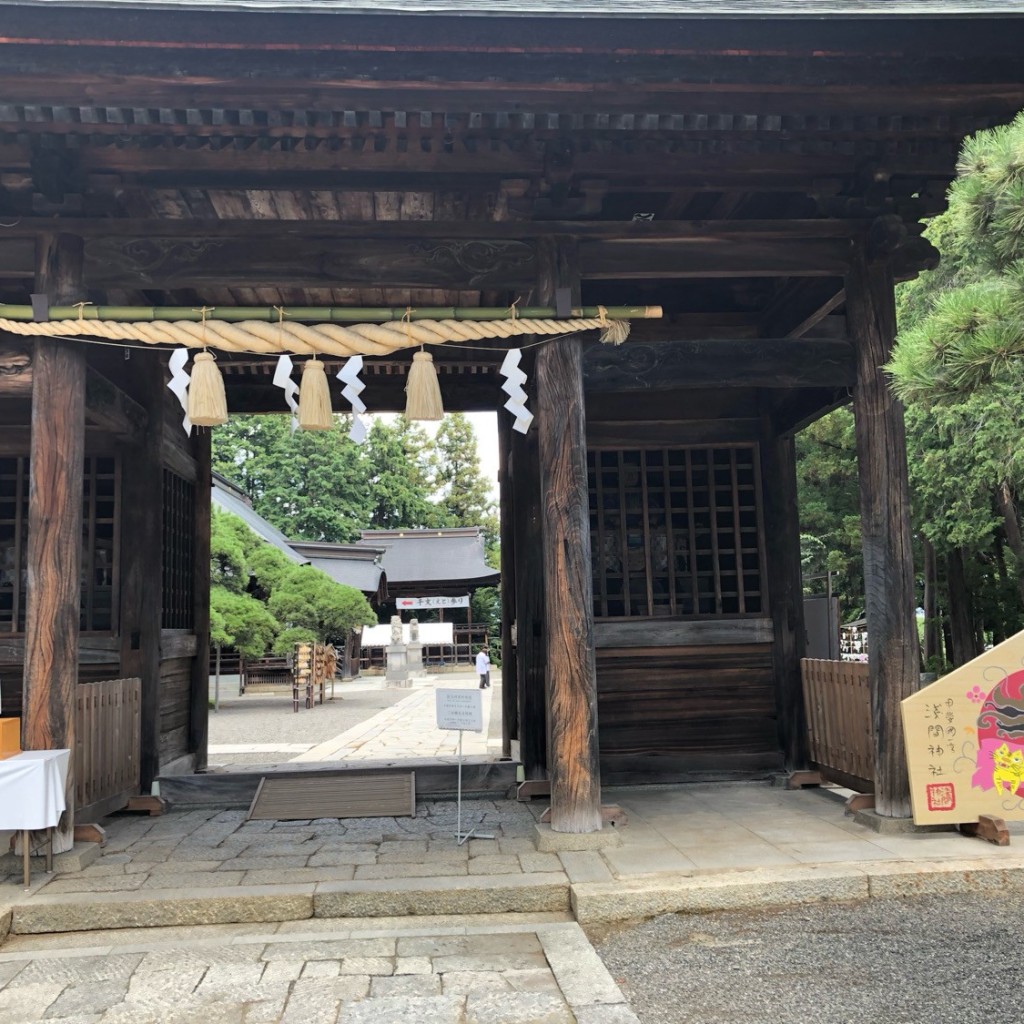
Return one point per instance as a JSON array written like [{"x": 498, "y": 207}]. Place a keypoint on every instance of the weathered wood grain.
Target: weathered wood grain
[
  {"x": 782, "y": 577},
  {"x": 719, "y": 362},
  {"x": 885, "y": 527},
  {"x": 199, "y": 697},
  {"x": 141, "y": 554},
  {"x": 529, "y": 600},
  {"x": 509, "y": 654},
  {"x": 568, "y": 583},
  {"x": 669, "y": 711},
  {"x": 646, "y": 633},
  {"x": 55, "y": 525}
]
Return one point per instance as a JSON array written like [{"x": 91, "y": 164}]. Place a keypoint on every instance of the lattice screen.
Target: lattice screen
[{"x": 675, "y": 532}]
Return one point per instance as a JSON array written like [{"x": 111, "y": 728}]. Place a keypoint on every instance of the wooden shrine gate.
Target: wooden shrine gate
[{"x": 761, "y": 178}]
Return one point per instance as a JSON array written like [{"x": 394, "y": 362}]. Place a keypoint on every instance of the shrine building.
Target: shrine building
[{"x": 743, "y": 182}]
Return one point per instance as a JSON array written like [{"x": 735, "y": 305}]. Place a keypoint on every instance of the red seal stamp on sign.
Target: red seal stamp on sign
[{"x": 941, "y": 796}]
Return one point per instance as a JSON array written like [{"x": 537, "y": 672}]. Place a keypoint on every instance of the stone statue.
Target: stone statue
[
  {"x": 396, "y": 629},
  {"x": 414, "y": 630}
]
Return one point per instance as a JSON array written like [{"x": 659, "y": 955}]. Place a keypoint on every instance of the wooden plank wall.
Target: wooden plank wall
[
  {"x": 675, "y": 711},
  {"x": 683, "y": 698}
]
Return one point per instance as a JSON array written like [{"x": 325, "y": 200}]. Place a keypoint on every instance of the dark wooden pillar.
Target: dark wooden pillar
[
  {"x": 199, "y": 709},
  {"x": 785, "y": 589},
  {"x": 885, "y": 527},
  {"x": 57, "y": 453},
  {"x": 568, "y": 585},
  {"x": 142, "y": 557},
  {"x": 509, "y": 689},
  {"x": 529, "y": 600}
]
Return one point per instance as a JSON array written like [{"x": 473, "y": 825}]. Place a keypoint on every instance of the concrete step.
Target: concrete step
[{"x": 399, "y": 897}]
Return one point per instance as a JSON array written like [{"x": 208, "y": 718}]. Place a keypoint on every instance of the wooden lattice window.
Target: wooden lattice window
[
  {"x": 676, "y": 532},
  {"x": 100, "y": 543},
  {"x": 178, "y": 571}
]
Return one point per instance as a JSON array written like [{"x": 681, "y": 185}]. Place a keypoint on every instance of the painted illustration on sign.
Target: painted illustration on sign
[{"x": 965, "y": 740}]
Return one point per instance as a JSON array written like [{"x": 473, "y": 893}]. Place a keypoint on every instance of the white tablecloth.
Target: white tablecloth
[{"x": 32, "y": 789}]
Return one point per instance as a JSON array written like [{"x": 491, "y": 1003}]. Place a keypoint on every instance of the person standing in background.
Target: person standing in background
[{"x": 483, "y": 668}]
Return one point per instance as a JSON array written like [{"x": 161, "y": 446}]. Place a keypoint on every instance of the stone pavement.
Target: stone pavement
[
  {"x": 262, "y": 729},
  {"x": 512, "y": 969},
  {"x": 688, "y": 834},
  {"x": 408, "y": 728},
  {"x": 685, "y": 849}
]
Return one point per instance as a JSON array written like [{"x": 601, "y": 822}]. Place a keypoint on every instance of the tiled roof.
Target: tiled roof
[
  {"x": 575, "y": 8},
  {"x": 354, "y": 565},
  {"x": 432, "y": 556},
  {"x": 229, "y": 498}
]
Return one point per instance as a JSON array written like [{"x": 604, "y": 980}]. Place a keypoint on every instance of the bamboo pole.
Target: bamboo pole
[{"x": 323, "y": 314}]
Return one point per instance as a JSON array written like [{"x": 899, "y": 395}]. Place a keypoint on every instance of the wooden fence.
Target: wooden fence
[
  {"x": 838, "y": 701},
  {"x": 108, "y": 730}
]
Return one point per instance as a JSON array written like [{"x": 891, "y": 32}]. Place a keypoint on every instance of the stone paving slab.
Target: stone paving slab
[{"x": 463, "y": 972}]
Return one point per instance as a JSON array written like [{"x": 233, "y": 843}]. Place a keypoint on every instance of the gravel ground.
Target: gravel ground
[
  {"x": 929, "y": 960},
  {"x": 268, "y": 718}
]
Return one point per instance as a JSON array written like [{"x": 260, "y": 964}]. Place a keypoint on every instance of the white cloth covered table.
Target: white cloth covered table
[{"x": 32, "y": 789}]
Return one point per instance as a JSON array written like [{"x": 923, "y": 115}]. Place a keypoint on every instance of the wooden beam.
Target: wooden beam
[
  {"x": 506, "y": 522},
  {"x": 199, "y": 697},
  {"x": 16, "y": 368},
  {"x": 635, "y": 260},
  {"x": 782, "y": 580},
  {"x": 800, "y": 306},
  {"x": 885, "y": 527},
  {"x": 109, "y": 408},
  {"x": 289, "y": 262},
  {"x": 529, "y": 599},
  {"x": 671, "y": 365},
  {"x": 141, "y": 558},
  {"x": 55, "y": 527},
  {"x": 156, "y": 229},
  {"x": 794, "y": 410},
  {"x": 568, "y": 599},
  {"x": 441, "y": 263}
]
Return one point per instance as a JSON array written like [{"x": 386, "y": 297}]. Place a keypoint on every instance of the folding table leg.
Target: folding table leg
[
  {"x": 49, "y": 850},
  {"x": 27, "y": 869}
]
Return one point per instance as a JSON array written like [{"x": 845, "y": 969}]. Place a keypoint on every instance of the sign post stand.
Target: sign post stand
[{"x": 461, "y": 709}]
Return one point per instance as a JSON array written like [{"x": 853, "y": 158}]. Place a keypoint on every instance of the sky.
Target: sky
[{"x": 485, "y": 426}]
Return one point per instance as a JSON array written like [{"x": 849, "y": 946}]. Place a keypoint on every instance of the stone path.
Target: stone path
[
  {"x": 515, "y": 969},
  {"x": 378, "y": 723},
  {"x": 407, "y": 729}
]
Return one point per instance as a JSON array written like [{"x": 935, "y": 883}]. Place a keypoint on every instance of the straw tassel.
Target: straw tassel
[
  {"x": 315, "y": 398},
  {"x": 207, "y": 403},
  {"x": 422, "y": 392}
]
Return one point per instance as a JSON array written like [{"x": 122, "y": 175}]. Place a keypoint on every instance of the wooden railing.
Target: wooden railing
[
  {"x": 108, "y": 729},
  {"x": 838, "y": 702}
]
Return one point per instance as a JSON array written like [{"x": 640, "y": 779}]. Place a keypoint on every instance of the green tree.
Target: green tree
[
  {"x": 311, "y": 485},
  {"x": 400, "y": 479},
  {"x": 261, "y": 600},
  {"x": 240, "y": 621},
  {"x": 308, "y": 599},
  {"x": 829, "y": 501},
  {"x": 959, "y": 365},
  {"x": 463, "y": 491}
]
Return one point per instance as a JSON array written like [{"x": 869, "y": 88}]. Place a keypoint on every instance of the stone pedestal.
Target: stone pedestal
[
  {"x": 397, "y": 672},
  {"x": 414, "y": 658}
]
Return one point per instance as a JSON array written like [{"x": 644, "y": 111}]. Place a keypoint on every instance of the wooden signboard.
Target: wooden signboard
[{"x": 965, "y": 740}]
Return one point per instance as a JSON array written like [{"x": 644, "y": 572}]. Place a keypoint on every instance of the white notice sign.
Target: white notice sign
[
  {"x": 460, "y": 709},
  {"x": 432, "y": 602}
]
